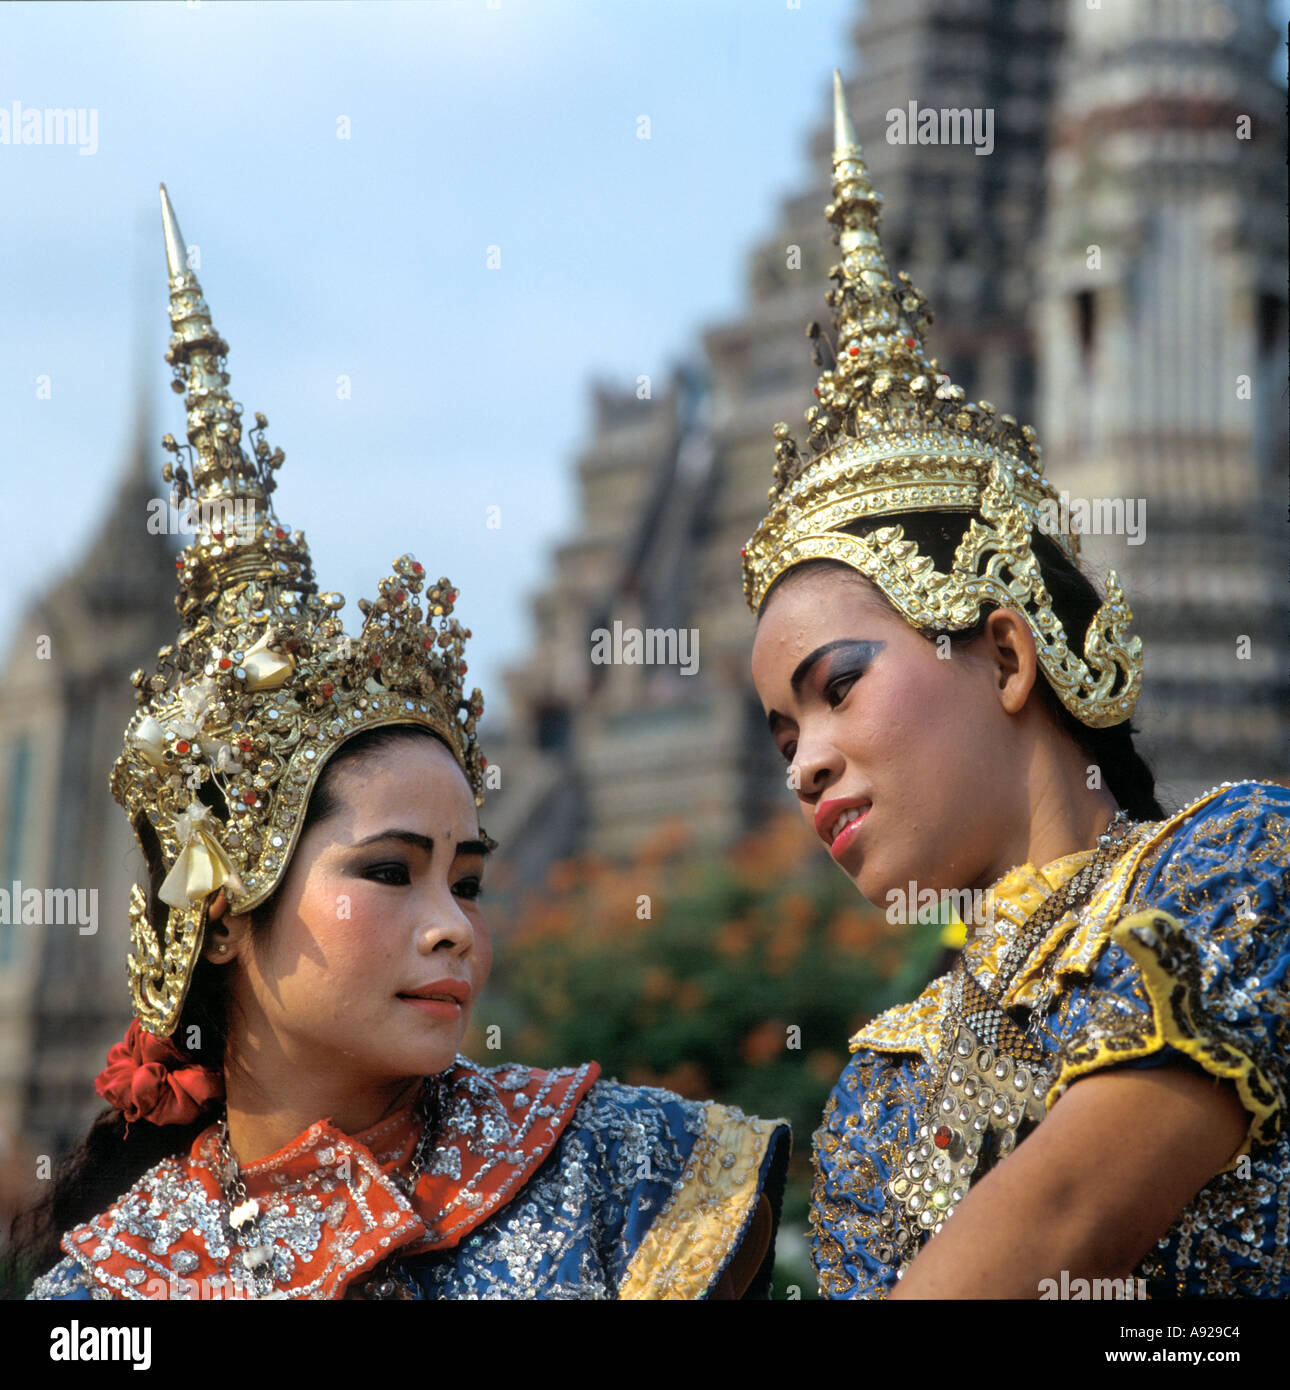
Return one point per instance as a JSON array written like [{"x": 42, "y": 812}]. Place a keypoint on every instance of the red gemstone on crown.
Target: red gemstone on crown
[
  {"x": 224, "y": 663},
  {"x": 182, "y": 746},
  {"x": 244, "y": 744},
  {"x": 909, "y": 342},
  {"x": 280, "y": 533},
  {"x": 942, "y": 1135},
  {"x": 855, "y": 351},
  {"x": 249, "y": 798},
  {"x": 399, "y": 595},
  {"x": 417, "y": 568},
  {"x": 327, "y": 688}
]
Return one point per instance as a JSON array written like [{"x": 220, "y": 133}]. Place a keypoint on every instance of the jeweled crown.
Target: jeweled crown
[
  {"x": 262, "y": 685},
  {"x": 890, "y": 434}
]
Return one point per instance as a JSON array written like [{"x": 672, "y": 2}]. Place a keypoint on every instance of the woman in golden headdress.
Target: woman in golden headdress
[
  {"x": 290, "y": 1115},
  {"x": 953, "y": 699}
]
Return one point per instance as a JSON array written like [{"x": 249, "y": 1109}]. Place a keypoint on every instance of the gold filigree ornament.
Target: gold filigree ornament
[
  {"x": 891, "y": 434},
  {"x": 262, "y": 684}
]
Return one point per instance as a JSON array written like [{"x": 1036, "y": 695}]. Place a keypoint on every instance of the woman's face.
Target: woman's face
[
  {"x": 378, "y": 948},
  {"x": 871, "y": 718}
]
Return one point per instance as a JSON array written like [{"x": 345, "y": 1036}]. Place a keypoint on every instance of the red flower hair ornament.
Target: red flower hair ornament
[{"x": 149, "y": 1078}]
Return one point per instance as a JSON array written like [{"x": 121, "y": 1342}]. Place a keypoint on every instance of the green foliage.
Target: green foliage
[{"x": 737, "y": 979}]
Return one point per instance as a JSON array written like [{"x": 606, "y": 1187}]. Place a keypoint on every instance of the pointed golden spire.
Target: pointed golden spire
[
  {"x": 226, "y": 490},
  {"x": 878, "y": 317},
  {"x": 197, "y": 352},
  {"x": 844, "y": 133},
  {"x": 176, "y": 246}
]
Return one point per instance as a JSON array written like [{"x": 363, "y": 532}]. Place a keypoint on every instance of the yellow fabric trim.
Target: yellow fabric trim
[
  {"x": 1013, "y": 900},
  {"x": 954, "y": 933},
  {"x": 1174, "y": 1023},
  {"x": 912, "y": 1027},
  {"x": 703, "y": 1221},
  {"x": 915, "y": 1027},
  {"x": 1084, "y": 945}
]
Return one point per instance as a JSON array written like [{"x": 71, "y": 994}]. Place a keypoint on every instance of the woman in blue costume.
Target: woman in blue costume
[
  {"x": 1091, "y": 1103},
  {"x": 291, "y": 1116}
]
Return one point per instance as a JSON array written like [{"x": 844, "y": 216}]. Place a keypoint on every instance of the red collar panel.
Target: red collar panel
[{"x": 330, "y": 1208}]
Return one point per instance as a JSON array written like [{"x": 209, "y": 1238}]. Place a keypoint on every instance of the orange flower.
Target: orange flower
[
  {"x": 796, "y": 911},
  {"x": 666, "y": 842},
  {"x": 690, "y": 996},
  {"x": 734, "y": 938},
  {"x": 853, "y": 931},
  {"x": 656, "y": 984},
  {"x": 782, "y": 950},
  {"x": 765, "y": 1042},
  {"x": 824, "y": 1066},
  {"x": 688, "y": 1080}
]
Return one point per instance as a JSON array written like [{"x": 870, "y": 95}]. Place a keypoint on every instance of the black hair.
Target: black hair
[
  {"x": 1075, "y": 602},
  {"x": 114, "y": 1155}
]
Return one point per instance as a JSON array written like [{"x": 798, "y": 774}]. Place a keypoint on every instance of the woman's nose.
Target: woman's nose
[
  {"x": 816, "y": 765},
  {"x": 446, "y": 927}
]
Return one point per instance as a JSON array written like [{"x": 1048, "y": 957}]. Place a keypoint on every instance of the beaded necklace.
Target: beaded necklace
[
  {"x": 256, "y": 1250},
  {"x": 992, "y": 1076}
]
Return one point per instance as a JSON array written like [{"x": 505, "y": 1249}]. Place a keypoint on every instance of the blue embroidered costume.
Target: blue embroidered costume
[
  {"x": 515, "y": 1183},
  {"x": 1182, "y": 951},
  {"x": 542, "y": 1185}
]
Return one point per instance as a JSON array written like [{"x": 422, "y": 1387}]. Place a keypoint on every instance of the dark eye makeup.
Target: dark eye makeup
[
  {"x": 852, "y": 661},
  {"x": 395, "y": 874}
]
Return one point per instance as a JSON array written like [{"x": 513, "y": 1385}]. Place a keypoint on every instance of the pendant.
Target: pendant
[
  {"x": 257, "y": 1255},
  {"x": 986, "y": 1095},
  {"x": 243, "y": 1212}
]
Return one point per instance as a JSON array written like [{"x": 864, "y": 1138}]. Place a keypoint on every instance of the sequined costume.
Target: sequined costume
[
  {"x": 513, "y": 1183},
  {"x": 542, "y": 1185},
  {"x": 1182, "y": 951}
]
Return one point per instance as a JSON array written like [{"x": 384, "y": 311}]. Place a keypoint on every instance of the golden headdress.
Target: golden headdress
[
  {"x": 262, "y": 685},
  {"x": 891, "y": 434}
]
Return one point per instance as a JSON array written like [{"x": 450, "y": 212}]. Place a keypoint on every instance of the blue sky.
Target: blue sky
[{"x": 470, "y": 125}]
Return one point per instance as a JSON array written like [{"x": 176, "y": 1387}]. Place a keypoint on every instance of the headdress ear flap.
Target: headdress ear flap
[
  {"x": 164, "y": 944},
  {"x": 162, "y": 958},
  {"x": 1101, "y": 687}
]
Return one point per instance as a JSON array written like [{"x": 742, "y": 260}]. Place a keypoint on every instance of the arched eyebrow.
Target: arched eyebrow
[
  {"x": 868, "y": 650},
  {"x": 424, "y": 842}
]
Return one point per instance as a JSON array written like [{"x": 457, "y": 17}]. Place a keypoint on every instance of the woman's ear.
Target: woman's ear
[
  {"x": 1012, "y": 650},
  {"x": 226, "y": 935}
]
